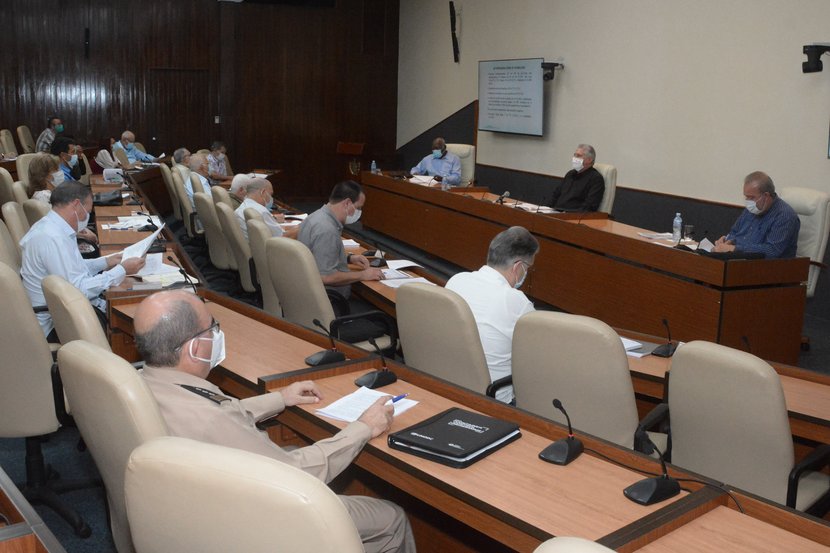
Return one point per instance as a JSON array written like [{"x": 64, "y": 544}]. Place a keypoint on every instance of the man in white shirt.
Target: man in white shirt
[
  {"x": 494, "y": 297},
  {"x": 260, "y": 197},
  {"x": 50, "y": 248},
  {"x": 182, "y": 158},
  {"x": 238, "y": 189},
  {"x": 198, "y": 165}
]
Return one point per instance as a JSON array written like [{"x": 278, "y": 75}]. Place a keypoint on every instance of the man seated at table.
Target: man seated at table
[
  {"x": 321, "y": 233},
  {"x": 217, "y": 163},
  {"x": 127, "y": 144},
  {"x": 443, "y": 165},
  {"x": 54, "y": 126},
  {"x": 64, "y": 148},
  {"x": 198, "y": 166},
  {"x": 494, "y": 297},
  {"x": 180, "y": 343},
  {"x": 260, "y": 198},
  {"x": 238, "y": 189},
  {"x": 768, "y": 225},
  {"x": 50, "y": 248},
  {"x": 79, "y": 169},
  {"x": 182, "y": 158},
  {"x": 583, "y": 187}
]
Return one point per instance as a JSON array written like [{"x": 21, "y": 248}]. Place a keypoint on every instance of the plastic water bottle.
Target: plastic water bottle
[
  {"x": 374, "y": 167},
  {"x": 677, "y": 228}
]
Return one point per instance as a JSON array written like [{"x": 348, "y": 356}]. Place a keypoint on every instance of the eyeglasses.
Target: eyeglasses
[{"x": 214, "y": 326}]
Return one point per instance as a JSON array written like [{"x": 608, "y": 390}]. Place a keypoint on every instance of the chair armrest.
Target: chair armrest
[
  {"x": 497, "y": 385},
  {"x": 60, "y": 400},
  {"x": 338, "y": 302},
  {"x": 816, "y": 460},
  {"x": 818, "y": 264},
  {"x": 40, "y": 308},
  {"x": 657, "y": 416}
]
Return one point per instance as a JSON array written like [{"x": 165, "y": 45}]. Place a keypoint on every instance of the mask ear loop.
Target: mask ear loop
[{"x": 193, "y": 355}]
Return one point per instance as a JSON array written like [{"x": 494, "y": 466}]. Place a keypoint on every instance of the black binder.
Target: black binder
[
  {"x": 113, "y": 197},
  {"x": 455, "y": 437}
]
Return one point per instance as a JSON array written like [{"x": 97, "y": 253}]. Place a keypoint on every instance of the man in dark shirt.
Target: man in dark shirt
[{"x": 583, "y": 186}]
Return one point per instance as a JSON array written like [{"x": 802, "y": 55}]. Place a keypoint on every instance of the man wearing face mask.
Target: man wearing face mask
[
  {"x": 321, "y": 231},
  {"x": 260, "y": 198},
  {"x": 583, "y": 186},
  {"x": 54, "y": 126},
  {"x": 181, "y": 342},
  {"x": 494, "y": 297},
  {"x": 64, "y": 148},
  {"x": 217, "y": 167},
  {"x": 443, "y": 165},
  {"x": 50, "y": 248},
  {"x": 127, "y": 144},
  {"x": 768, "y": 225}
]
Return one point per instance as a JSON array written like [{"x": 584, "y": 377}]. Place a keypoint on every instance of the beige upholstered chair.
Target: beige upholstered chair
[
  {"x": 303, "y": 297},
  {"x": 218, "y": 248},
  {"x": 16, "y": 222},
  {"x": 115, "y": 412},
  {"x": 228, "y": 168},
  {"x": 171, "y": 190},
  {"x": 582, "y": 362},
  {"x": 238, "y": 245},
  {"x": 221, "y": 195},
  {"x": 27, "y": 142},
  {"x": 609, "y": 174},
  {"x": 72, "y": 313},
  {"x": 19, "y": 191},
  {"x": 439, "y": 336},
  {"x": 563, "y": 544},
  {"x": 87, "y": 169},
  {"x": 813, "y": 208},
  {"x": 139, "y": 146},
  {"x": 204, "y": 151},
  {"x": 729, "y": 422},
  {"x": 258, "y": 235},
  {"x": 121, "y": 157},
  {"x": 194, "y": 497},
  {"x": 35, "y": 210},
  {"x": 7, "y": 143},
  {"x": 27, "y": 394},
  {"x": 6, "y": 184},
  {"x": 467, "y": 154},
  {"x": 22, "y": 164},
  {"x": 187, "y": 209},
  {"x": 196, "y": 183},
  {"x": 9, "y": 252}
]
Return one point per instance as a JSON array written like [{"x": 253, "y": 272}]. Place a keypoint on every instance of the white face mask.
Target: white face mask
[
  {"x": 752, "y": 207},
  {"x": 576, "y": 163},
  {"x": 521, "y": 280},
  {"x": 58, "y": 178},
  {"x": 217, "y": 350},
  {"x": 82, "y": 224},
  {"x": 354, "y": 217}
]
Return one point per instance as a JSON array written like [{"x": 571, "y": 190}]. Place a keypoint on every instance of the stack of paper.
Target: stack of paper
[
  {"x": 349, "y": 243},
  {"x": 423, "y": 180},
  {"x": 349, "y": 408},
  {"x": 398, "y": 282}
]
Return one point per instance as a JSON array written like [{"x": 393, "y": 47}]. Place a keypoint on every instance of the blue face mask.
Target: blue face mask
[
  {"x": 129, "y": 146},
  {"x": 437, "y": 154},
  {"x": 270, "y": 204},
  {"x": 73, "y": 161}
]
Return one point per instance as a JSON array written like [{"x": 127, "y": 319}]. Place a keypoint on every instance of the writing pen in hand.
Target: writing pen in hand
[{"x": 396, "y": 399}]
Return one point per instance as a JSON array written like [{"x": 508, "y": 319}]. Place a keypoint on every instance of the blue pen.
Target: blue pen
[{"x": 396, "y": 399}]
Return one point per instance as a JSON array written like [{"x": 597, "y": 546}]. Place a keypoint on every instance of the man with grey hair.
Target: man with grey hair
[
  {"x": 50, "y": 248},
  {"x": 182, "y": 158},
  {"x": 238, "y": 190},
  {"x": 768, "y": 225},
  {"x": 583, "y": 187},
  {"x": 198, "y": 165},
  {"x": 260, "y": 197},
  {"x": 181, "y": 342},
  {"x": 494, "y": 297},
  {"x": 127, "y": 144}
]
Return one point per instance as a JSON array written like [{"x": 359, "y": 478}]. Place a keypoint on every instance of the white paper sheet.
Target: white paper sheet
[
  {"x": 401, "y": 264},
  {"x": 391, "y": 274},
  {"x": 140, "y": 248},
  {"x": 349, "y": 243},
  {"x": 349, "y": 408},
  {"x": 398, "y": 282},
  {"x": 630, "y": 344}
]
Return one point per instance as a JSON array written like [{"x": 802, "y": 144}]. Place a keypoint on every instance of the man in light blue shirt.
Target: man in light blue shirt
[
  {"x": 127, "y": 144},
  {"x": 50, "y": 248},
  {"x": 64, "y": 148},
  {"x": 443, "y": 165}
]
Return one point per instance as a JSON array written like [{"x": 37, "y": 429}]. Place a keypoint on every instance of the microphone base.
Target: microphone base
[
  {"x": 376, "y": 379},
  {"x": 562, "y": 452},
  {"x": 324, "y": 357},
  {"x": 666, "y": 350},
  {"x": 652, "y": 490}
]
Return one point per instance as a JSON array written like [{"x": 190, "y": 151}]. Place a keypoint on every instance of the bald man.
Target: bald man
[
  {"x": 181, "y": 342},
  {"x": 198, "y": 165},
  {"x": 443, "y": 165},
  {"x": 259, "y": 196},
  {"x": 237, "y": 190},
  {"x": 127, "y": 143}
]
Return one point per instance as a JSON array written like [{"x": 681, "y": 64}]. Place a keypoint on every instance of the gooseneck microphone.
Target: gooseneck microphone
[
  {"x": 377, "y": 379},
  {"x": 657, "y": 488},
  {"x": 562, "y": 452},
  {"x": 500, "y": 200},
  {"x": 667, "y": 349},
  {"x": 327, "y": 355},
  {"x": 186, "y": 276}
]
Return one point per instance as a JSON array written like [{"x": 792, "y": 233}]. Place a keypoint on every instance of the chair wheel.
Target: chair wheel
[
  {"x": 805, "y": 346},
  {"x": 83, "y": 531}
]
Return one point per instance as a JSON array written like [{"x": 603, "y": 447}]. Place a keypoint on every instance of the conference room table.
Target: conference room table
[{"x": 590, "y": 265}]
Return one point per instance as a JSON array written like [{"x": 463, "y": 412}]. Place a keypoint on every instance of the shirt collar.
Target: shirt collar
[
  {"x": 60, "y": 223},
  {"x": 493, "y": 275},
  {"x": 327, "y": 210}
]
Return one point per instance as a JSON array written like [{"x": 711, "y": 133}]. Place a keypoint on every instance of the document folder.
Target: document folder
[{"x": 455, "y": 437}]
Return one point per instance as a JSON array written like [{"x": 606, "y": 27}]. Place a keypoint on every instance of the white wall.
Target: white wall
[{"x": 684, "y": 97}]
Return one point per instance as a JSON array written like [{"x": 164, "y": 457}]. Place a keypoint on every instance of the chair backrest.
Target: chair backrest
[
  {"x": 467, "y": 154},
  {"x": 115, "y": 412},
  {"x": 609, "y": 174},
  {"x": 252, "y": 214},
  {"x": 204, "y": 151},
  {"x": 194, "y": 497},
  {"x": 7, "y": 142},
  {"x": 582, "y": 362},
  {"x": 121, "y": 156},
  {"x": 9, "y": 252},
  {"x": 22, "y": 164},
  {"x": 729, "y": 419},
  {"x": 439, "y": 335},
  {"x": 237, "y": 244},
  {"x": 187, "y": 210},
  {"x": 221, "y": 195},
  {"x": 35, "y": 210},
  {"x": 258, "y": 235},
  {"x": 27, "y": 403},
  {"x": 87, "y": 169},
  {"x": 6, "y": 187},
  {"x": 565, "y": 544},
  {"x": 297, "y": 282},
  {"x": 813, "y": 208},
  {"x": 72, "y": 313},
  {"x": 196, "y": 183},
  {"x": 27, "y": 142},
  {"x": 19, "y": 192},
  {"x": 16, "y": 222},
  {"x": 171, "y": 190},
  {"x": 218, "y": 248},
  {"x": 140, "y": 146},
  {"x": 228, "y": 169}
]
